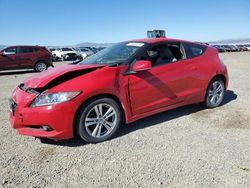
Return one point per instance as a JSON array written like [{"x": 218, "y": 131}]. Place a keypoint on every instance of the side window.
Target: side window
[
  {"x": 196, "y": 49},
  {"x": 84, "y": 50},
  {"x": 35, "y": 49},
  {"x": 158, "y": 55},
  {"x": 23, "y": 50},
  {"x": 10, "y": 51},
  {"x": 178, "y": 51},
  {"x": 66, "y": 49}
]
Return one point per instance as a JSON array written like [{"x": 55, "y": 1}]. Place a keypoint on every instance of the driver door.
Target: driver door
[
  {"x": 160, "y": 86},
  {"x": 8, "y": 59}
]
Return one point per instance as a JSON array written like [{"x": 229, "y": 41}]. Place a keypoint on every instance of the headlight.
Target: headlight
[{"x": 54, "y": 98}]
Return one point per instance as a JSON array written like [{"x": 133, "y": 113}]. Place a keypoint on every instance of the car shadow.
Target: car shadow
[
  {"x": 16, "y": 72},
  {"x": 73, "y": 142},
  {"x": 170, "y": 115},
  {"x": 147, "y": 122},
  {"x": 228, "y": 97}
]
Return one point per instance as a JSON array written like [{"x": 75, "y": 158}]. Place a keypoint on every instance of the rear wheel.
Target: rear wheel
[
  {"x": 40, "y": 66},
  {"x": 98, "y": 120},
  {"x": 215, "y": 93}
]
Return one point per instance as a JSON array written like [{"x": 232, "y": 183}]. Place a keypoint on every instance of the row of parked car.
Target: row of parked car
[
  {"x": 72, "y": 54},
  {"x": 232, "y": 48},
  {"x": 40, "y": 58}
]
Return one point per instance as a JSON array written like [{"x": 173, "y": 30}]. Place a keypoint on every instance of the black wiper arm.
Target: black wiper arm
[
  {"x": 76, "y": 62},
  {"x": 114, "y": 64}
]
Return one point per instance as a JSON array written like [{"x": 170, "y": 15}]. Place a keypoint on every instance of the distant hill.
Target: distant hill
[
  {"x": 89, "y": 44},
  {"x": 232, "y": 41},
  {"x": 85, "y": 44},
  {"x": 2, "y": 46}
]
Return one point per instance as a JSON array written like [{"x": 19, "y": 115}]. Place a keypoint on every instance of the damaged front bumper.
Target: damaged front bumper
[{"x": 52, "y": 121}]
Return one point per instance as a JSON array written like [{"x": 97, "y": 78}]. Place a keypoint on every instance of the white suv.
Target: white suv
[{"x": 64, "y": 53}]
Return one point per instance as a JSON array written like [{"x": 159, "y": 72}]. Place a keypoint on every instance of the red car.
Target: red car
[
  {"x": 120, "y": 84},
  {"x": 25, "y": 57}
]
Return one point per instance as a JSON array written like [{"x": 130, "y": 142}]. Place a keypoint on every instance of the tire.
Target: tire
[
  {"x": 214, "y": 94},
  {"x": 40, "y": 66},
  {"x": 98, "y": 120}
]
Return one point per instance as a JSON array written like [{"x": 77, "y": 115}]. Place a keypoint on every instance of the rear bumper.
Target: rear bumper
[
  {"x": 49, "y": 62},
  {"x": 59, "y": 117}
]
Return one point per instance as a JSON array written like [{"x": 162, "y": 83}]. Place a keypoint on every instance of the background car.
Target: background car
[
  {"x": 235, "y": 48},
  {"x": 219, "y": 48},
  {"x": 87, "y": 50},
  {"x": 247, "y": 46},
  {"x": 242, "y": 47},
  {"x": 230, "y": 48},
  {"x": 65, "y": 53},
  {"x": 54, "y": 57},
  {"x": 82, "y": 54},
  {"x": 25, "y": 57}
]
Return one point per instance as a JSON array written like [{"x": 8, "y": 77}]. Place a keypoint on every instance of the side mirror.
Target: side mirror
[
  {"x": 141, "y": 65},
  {"x": 7, "y": 53},
  {"x": 3, "y": 54}
]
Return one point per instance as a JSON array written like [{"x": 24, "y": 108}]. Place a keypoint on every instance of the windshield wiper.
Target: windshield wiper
[
  {"x": 76, "y": 62},
  {"x": 114, "y": 64}
]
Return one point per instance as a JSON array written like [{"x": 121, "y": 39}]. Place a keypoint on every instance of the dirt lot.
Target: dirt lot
[{"x": 185, "y": 147}]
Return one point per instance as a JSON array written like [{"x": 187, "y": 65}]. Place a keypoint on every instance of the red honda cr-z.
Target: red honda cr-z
[{"x": 120, "y": 84}]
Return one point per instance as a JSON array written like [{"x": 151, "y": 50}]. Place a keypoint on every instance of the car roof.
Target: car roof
[
  {"x": 36, "y": 46},
  {"x": 156, "y": 40}
]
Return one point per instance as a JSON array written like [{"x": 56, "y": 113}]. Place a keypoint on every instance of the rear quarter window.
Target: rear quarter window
[
  {"x": 195, "y": 50},
  {"x": 25, "y": 50},
  {"x": 36, "y": 49}
]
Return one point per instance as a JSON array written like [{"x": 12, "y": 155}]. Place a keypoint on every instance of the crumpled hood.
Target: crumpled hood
[{"x": 42, "y": 79}]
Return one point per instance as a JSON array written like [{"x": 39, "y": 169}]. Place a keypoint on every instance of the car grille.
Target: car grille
[{"x": 13, "y": 106}]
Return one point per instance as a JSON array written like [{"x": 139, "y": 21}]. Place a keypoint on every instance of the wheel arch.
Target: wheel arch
[
  {"x": 220, "y": 76},
  {"x": 40, "y": 60},
  {"x": 108, "y": 95},
  {"x": 217, "y": 76}
]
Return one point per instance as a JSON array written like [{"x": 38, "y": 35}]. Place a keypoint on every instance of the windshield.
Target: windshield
[
  {"x": 66, "y": 49},
  {"x": 115, "y": 54},
  {"x": 84, "y": 50}
]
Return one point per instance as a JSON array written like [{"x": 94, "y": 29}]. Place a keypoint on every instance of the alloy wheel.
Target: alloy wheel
[
  {"x": 41, "y": 67},
  {"x": 100, "y": 120},
  {"x": 215, "y": 93}
]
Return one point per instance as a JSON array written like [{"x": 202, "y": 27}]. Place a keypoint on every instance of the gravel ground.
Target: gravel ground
[{"x": 185, "y": 147}]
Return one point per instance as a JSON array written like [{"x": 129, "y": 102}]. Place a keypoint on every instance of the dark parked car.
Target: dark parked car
[
  {"x": 230, "y": 48},
  {"x": 242, "y": 47},
  {"x": 227, "y": 48},
  {"x": 25, "y": 57},
  {"x": 219, "y": 48},
  {"x": 235, "y": 48}
]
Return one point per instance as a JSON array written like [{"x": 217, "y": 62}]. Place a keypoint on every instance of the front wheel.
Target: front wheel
[
  {"x": 40, "y": 66},
  {"x": 99, "y": 120},
  {"x": 215, "y": 93}
]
